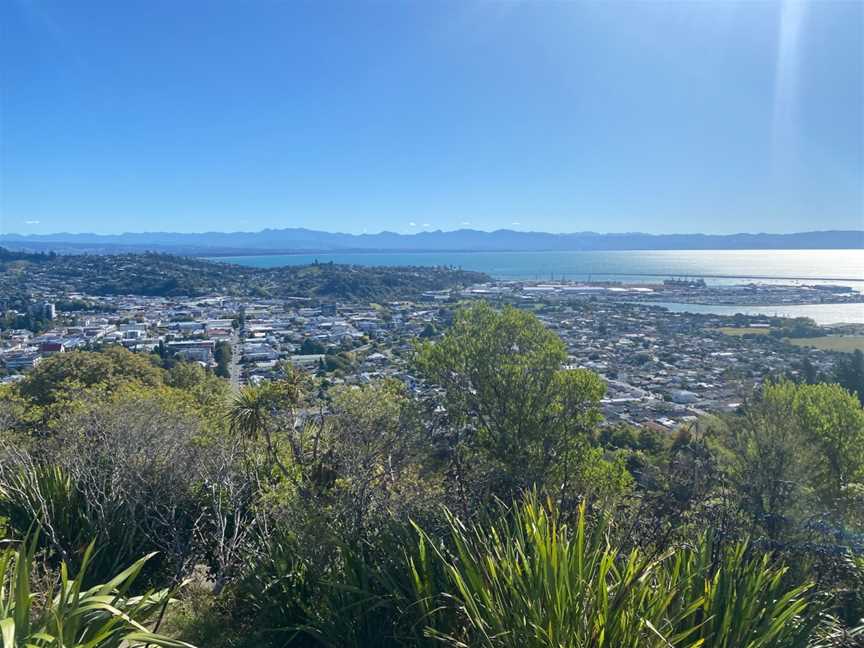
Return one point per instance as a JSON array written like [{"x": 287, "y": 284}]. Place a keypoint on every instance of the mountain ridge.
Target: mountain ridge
[{"x": 303, "y": 240}]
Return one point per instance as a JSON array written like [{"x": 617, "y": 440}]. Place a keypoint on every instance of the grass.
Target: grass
[
  {"x": 842, "y": 343},
  {"x": 745, "y": 330}
]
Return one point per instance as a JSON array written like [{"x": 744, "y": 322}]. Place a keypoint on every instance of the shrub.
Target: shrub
[{"x": 103, "y": 616}]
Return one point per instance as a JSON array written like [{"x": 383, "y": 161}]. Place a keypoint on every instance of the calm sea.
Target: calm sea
[{"x": 717, "y": 267}]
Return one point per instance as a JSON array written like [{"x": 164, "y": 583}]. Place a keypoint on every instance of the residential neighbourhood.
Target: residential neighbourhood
[{"x": 661, "y": 368}]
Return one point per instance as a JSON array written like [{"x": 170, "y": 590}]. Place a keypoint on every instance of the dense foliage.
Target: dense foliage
[{"x": 490, "y": 507}]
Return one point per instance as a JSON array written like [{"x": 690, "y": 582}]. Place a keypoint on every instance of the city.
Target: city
[
  {"x": 661, "y": 369},
  {"x": 450, "y": 324}
]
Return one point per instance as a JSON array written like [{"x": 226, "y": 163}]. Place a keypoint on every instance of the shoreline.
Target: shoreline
[
  {"x": 591, "y": 271},
  {"x": 821, "y": 314}
]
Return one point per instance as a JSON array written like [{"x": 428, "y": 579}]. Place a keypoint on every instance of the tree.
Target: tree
[
  {"x": 370, "y": 447},
  {"x": 257, "y": 411},
  {"x": 796, "y": 448},
  {"x": 768, "y": 466},
  {"x": 312, "y": 347},
  {"x": 185, "y": 375},
  {"x": 428, "y": 331},
  {"x": 849, "y": 373},
  {"x": 208, "y": 391},
  {"x": 222, "y": 353},
  {"x": 809, "y": 373},
  {"x": 833, "y": 423},
  {"x": 111, "y": 367},
  {"x": 505, "y": 387},
  {"x": 251, "y": 410}
]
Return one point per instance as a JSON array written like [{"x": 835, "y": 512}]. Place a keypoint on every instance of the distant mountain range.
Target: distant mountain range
[{"x": 284, "y": 241}]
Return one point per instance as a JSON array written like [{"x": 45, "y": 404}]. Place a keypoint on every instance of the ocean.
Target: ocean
[
  {"x": 717, "y": 267},
  {"x": 822, "y": 314}
]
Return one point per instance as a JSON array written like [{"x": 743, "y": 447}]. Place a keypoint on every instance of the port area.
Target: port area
[{"x": 683, "y": 291}]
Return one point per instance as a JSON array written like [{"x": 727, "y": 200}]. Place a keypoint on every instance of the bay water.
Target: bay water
[{"x": 717, "y": 267}]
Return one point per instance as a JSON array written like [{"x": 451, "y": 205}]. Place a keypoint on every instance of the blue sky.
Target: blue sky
[{"x": 363, "y": 116}]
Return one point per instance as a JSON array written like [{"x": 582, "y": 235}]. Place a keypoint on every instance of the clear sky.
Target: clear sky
[{"x": 193, "y": 115}]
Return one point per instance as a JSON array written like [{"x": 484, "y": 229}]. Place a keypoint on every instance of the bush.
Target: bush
[
  {"x": 527, "y": 579},
  {"x": 102, "y": 616},
  {"x": 534, "y": 581}
]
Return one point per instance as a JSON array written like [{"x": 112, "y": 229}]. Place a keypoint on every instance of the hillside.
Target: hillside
[{"x": 154, "y": 274}]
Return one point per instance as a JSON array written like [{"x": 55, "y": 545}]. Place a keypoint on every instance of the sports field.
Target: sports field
[{"x": 844, "y": 343}]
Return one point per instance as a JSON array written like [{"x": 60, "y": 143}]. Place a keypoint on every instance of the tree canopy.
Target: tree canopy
[
  {"x": 112, "y": 367},
  {"x": 505, "y": 385}
]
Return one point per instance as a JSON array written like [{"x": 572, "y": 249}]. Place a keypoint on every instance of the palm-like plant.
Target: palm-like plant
[
  {"x": 256, "y": 407},
  {"x": 103, "y": 616},
  {"x": 251, "y": 410}
]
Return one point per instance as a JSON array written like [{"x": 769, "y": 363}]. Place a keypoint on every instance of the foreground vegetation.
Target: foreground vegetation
[
  {"x": 497, "y": 510},
  {"x": 72, "y": 616}
]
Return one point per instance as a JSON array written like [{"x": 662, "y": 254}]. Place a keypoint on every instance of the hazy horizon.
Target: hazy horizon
[{"x": 429, "y": 231}]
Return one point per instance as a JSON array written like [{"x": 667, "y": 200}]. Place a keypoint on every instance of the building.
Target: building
[
  {"x": 50, "y": 347},
  {"x": 21, "y": 361}
]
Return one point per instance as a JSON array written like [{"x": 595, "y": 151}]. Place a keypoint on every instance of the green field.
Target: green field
[
  {"x": 844, "y": 343},
  {"x": 744, "y": 330}
]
